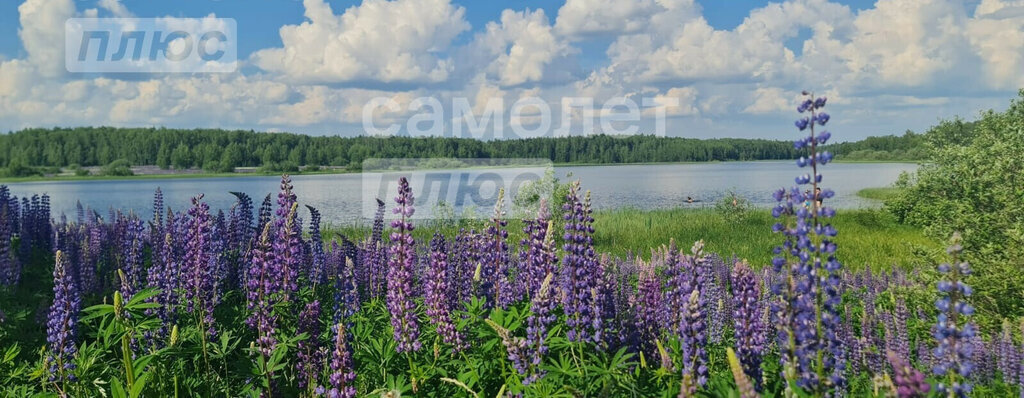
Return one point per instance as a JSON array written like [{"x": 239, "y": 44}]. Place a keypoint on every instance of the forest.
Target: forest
[{"x": 42, "y": 151}]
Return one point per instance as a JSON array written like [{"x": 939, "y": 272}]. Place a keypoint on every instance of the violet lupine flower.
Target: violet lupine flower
[
  {"x": 343, "y": 376},
  {"x": 198, "y": 266},
  {"x": 695, "y": 370},
  {"x": 309, "y": 356},
  {"x": 264, "y": 214},
  {"x": 748, "y": 329},
  {"x": 648, "y": 309},
  {"x": 515, "y": 347},
  {"x": 465, "y": 258},
  {"x": 435, "y": 293},
  {"x": 1009, "y": 357},
  {"x": 401, "y": 261},
  {"x": 952, "y": 331},
  {"x": 578, "y": 271},
  {"x": 811, "y": 292},
  {"x": 900, "y": 339},
  {"x": 156, "y": 232},
  {"x": 346, "y": 288},
  {"x": 10, "y": 269},
  {"x": 262, "y": 293},
  {"x": 538, "y": 259},
  {"x": 318, "y": 272},
  {"x": 287, "y": 243},
  {"x": 131, "y": 245},
  {"x": 494, "y": 283},
  {"x": 542, "y": 307},
  {"x": 909, "y": 382},
  {"x": 62, "y": 322},
  {"x": 164, "y": 275},
  {"x": 373, "y": 274},
  {"x": 714, "y": 296},
  {"x": 744, "y": 386}
]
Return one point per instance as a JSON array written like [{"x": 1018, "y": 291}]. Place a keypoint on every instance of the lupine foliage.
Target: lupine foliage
[{"x": 247, "y": 304}]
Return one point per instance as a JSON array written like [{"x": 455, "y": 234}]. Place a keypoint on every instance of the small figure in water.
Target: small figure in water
[
  {"x": 689, "y": 199},
  {"x": 818, "y": 197}
]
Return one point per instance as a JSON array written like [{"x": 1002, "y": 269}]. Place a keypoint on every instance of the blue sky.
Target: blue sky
[{"x": 725, "y": 68}]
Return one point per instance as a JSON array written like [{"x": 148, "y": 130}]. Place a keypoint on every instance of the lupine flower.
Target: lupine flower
[
  {"x": 10, "y": 269},
  {"x": 287, "y": 244},
  {"x": 343, "y": 376},
  {"x": 577, "y": 273},
  {"x": 62, "y": 322},
  {"x": 952, "y": 331},
  {"x": 131, "y": 244},
  {"x": 515, "y": 347},
  {"x": 649, "y": 309},
  {"x": 538, "y": 259},
  {"x": 909, "y": 382},
  {"x": 400, "y": 273},
  {"x": 1009, "y": 357},
  {"x": 748, "y": 329},
  {"x": 808, "y": 313},
  {"x": 200, "y": 276},
  {"x": 743, "y": 383},
  {"x": 542, "y": 307},
  {"x": 261, "y": 294},
  {"x": 317, "y": 272},
  {"x": 435, "y": 292},
  {"x": 157, "y": 231},
  {"x": 494, "y": 283},
  {"x": 309, "y": 356},
  {"x": 694, "y": 340}
]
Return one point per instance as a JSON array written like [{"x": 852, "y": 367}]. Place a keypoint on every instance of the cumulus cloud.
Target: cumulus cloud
[
  {"x": 379, "y": 40},
  {"x": 518, "y": 49},
  {"x": 602, "y": 17}
]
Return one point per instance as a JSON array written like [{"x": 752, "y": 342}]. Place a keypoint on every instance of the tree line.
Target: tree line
[{"x": 32, "y": 149}]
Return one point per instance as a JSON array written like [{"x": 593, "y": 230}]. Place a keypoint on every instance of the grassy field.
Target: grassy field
[
  {"x": 866, "y": 237},
  {"x": 878, "y": 193}
]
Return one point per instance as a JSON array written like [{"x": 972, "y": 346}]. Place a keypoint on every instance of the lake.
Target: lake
[{"x": 339, "y": 196}]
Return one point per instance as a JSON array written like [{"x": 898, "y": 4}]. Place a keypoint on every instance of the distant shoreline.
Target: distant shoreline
[{"x": 192, "y": 174}]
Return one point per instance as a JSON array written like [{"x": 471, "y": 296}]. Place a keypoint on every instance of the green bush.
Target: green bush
[
  {"x": 972, "y": 183},
  {"x": 117, "y": 168}
]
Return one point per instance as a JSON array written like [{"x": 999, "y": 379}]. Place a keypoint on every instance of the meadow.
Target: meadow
[{"x": 798, "y": 301}]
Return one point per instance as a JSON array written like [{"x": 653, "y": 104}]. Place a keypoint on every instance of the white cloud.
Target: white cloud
[
  {"x": 597, "y": 17},
  {"x": 42, "y": 33},
  {"x": 379, "y": 40},
  {"x": 518, "y": 49}
]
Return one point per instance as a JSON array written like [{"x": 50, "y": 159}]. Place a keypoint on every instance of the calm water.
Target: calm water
[{"x": 339, "y": 196}]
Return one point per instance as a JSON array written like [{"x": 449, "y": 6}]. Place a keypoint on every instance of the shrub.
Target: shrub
[{"x": 119, "y": 168}]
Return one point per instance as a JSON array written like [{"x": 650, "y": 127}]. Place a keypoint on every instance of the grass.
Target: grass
[
  {"x": 866, "y": 237},
  {"x": 878, "y": 193}
]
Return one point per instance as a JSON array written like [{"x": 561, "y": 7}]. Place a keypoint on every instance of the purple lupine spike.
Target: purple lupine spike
[
  {"x": 62, "y": 322},
  {"x": 578, "y": 277},
  {"x": 309, "y": 356},
  {"x": 515, "y": 347},
  {"x": 131, "y": 243},
  {"x": 400, "y": 273},
  {"x": 494, "y": 284},
  {"x": 262, "y": 295},
  {"x": 901, "y": 339},
  {"x": 197, "y": 269},
  {"x": 747, "y": 328},
  {"x": 909, "y": 382},
  {"x": 264, "y": 214},
  {"x": 157, "y": 231},
  {"x": 693, "y": 342},
  {"x": 465, "y": 257},
  {"x": 649, "y": 309},
  {"x": 808, "y": 311},
  {"x": 952, "y": 331},
  {"x": 164, "y": 275},
  {"x": 538, "y": 260},
  {"x": 542, "y": 307},
  {"x": 287, "y": 243},
  {"x": 10, "y": 265},
  {"x": 435, "y": 293},
  {"x": 1009, "y": 357},
  {"x": 342, "y": 376},
  {"x": 318, "y": 264},
  {"x": 715, "y": 298}
]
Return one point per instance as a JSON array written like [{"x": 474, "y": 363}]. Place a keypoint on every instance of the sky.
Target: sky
[{"x": 712, "y": 68}]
